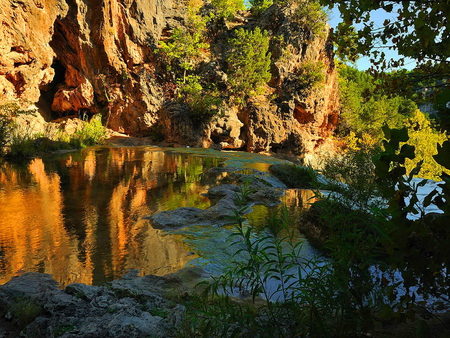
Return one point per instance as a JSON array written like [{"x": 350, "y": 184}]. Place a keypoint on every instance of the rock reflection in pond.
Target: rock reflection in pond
[{"x": 79, "y": 217}]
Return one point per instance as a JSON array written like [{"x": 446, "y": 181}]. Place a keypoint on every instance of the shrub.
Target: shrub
[
  {"x": 93, "y": 132},
  {"x": 295, "y": 176},
  {"x": 248, "y": 62},
  {"x": 227, "y": 8},
  {"x": 187, "y": 43},
  {"x": 352, "y": 175},
  {"x": 311, "y": 74},
  {"x": 203, "y": 103},
  {"x": 311, "y": 14},
  {"x": 259, "y": 6}
]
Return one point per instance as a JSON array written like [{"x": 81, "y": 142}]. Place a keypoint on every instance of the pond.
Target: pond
[{"x": 81, "y": 216}]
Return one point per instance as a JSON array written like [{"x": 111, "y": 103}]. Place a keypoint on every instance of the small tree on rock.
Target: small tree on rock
[{"x": 248, "y": 62}]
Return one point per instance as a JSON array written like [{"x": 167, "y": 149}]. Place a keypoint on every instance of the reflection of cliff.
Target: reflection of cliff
[
  {"x": 80, "y": 218},
  {"x": 32, "y": 235}
]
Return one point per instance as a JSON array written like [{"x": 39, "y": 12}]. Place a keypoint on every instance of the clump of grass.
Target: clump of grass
[
  {"x": 25, "y": 311},
  {"x": 93, "y": 132}
]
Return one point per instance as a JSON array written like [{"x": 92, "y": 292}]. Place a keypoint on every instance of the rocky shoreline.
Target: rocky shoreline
[{"x": 129, "y": 307}]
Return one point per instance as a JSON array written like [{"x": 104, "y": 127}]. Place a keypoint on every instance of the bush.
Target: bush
[
  {"x": 186, "y": 45},
  {"x": 295, "y": 176},
  {"x": 352, "y": 176},
  {"x": 248, "y": 62},
  {"x": 203, "y": 103},
  {"x": 259, "y": 6},
  {"x": 93, "y": 132},
  {"x": 311, "y": 14},
  {"x": 311, "y": 74},
  {"x": 227, "y": 8}
]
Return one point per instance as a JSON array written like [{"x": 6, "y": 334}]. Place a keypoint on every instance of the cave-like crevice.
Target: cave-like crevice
[{"x": 48, "y": 92}]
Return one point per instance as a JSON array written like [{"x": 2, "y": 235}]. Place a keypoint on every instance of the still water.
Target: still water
[{"x": 80, "y": 216}]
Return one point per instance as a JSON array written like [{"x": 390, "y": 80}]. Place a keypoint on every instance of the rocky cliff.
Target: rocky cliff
[{"x": 75, "y": 57}]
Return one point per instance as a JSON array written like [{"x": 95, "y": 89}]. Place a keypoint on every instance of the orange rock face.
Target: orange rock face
[
  {"x": 83, "y": 57},
  {"x": 25, "y": 54},
  {"x": 72, "y": 56}
]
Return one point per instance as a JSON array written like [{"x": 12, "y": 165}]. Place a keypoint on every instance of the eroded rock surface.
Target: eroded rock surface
[{"x": 129, "y": 307}]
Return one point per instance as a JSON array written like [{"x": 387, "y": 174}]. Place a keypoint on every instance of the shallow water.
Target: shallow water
[{"x": 80, "y": 216}]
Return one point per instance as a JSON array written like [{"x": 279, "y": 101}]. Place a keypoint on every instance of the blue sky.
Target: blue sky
[{"x": 378, "y": 18}]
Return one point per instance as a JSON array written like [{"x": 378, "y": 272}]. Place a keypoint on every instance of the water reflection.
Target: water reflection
[{"x": 79, "y": 217}]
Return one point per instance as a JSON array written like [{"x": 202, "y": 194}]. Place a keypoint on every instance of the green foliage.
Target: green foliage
[
  {"x": 416, "y": 31},
  {"x": 425, "y": 137},
  {"x": 347, "y": 50},
  {"x": 248, "y": 61},
  {"x": 311, "y": 14},
  {"x": 259, "y": 6},
  {"x": 352, "y": 176},
  {"x": 93, "y": 132},
  {"x": 204, "y": 103},
  {"x": 227, "y": 8},
  {"x": 295, "y": 176},
  {"x": 365, "y": 108},
  {"x": 188, "y": 42},
  {"x": 311, "y": 74}
]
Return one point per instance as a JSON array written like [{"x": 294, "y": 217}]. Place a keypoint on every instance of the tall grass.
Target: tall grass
[{"x": 272, "y": 290}]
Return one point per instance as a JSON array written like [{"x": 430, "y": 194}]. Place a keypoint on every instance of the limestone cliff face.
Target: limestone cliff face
[
  {"x": 74, "y": 56},
  {"x": 84, "y": 57},
  {"x": 290, "y": 116}
]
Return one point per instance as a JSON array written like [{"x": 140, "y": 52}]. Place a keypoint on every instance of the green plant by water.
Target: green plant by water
[{"x": 21, "y": 141}]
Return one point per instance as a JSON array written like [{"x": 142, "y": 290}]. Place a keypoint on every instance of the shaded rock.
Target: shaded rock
[
  {"x": 30, "y": 284},
  {"x": 222, "y": 190},
  {"x": 177, "y": 218},
  {"x": 258, "y": 188},
  {"x": 226, "y": 131},
  {"x": 178, "y": 127},
  {"x": 130, "y": 307}
]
